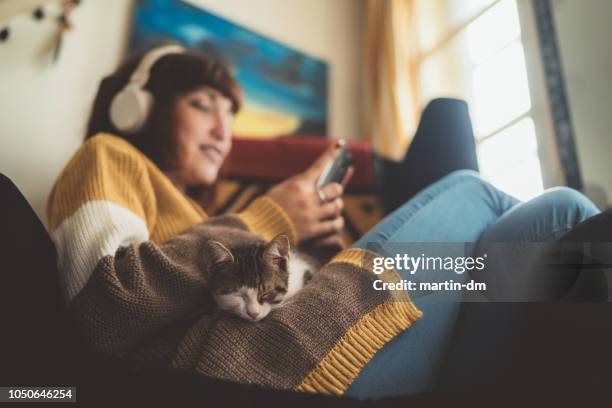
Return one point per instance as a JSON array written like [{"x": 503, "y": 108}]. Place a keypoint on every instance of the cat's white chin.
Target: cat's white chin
[{"x": 250, "y": 319}]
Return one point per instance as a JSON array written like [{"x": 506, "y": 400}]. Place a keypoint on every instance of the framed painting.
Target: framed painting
[{"x": 285, "y": 90}]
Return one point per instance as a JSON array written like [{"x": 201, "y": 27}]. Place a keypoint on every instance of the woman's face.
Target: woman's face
[{"x": 203, "y": 118}]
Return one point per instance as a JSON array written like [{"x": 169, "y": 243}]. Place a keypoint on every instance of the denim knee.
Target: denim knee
[
  {"x": 569, "y": 205},
  {"x": 457, "y": 177},
  {"x": 472, "y": 184},
  {"x": 461, "y": 175}
]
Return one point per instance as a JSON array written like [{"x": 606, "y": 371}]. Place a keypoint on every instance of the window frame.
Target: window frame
[{"x": 547, "y": 152}]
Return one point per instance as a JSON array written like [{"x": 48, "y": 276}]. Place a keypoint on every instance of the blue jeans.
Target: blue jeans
[{"x": 461, "y": 207}]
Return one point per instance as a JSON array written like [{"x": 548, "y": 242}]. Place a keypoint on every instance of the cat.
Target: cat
[{"x": 251, "y": 279}]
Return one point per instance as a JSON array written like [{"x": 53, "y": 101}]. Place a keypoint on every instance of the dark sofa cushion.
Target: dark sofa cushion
[{"x": 30, "y": 297}]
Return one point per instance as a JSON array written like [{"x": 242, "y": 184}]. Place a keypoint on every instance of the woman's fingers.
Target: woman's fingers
[
  {"x": 314, "y": 171},
  {"x": 331, "y": 209},
  {"x": 347, "y": 177},
  {"x": 327, "y": 227},
  {"x": 313, "y": 213},
  {"x": 329, "y": 212},
  {"x": 331, "y": 191}
]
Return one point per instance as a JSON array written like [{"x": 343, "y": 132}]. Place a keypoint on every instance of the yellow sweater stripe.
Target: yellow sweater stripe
[{"x": 339, "y": 368}]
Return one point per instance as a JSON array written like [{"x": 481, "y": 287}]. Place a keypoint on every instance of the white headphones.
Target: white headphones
[{"x": 130, "y": 108}]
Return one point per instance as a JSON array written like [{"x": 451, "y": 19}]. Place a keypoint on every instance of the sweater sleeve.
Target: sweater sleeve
[
  {"x": 144, "y": 288},
  {"x": 102, "y": 200},
  {"x": 267, "y": 219}
]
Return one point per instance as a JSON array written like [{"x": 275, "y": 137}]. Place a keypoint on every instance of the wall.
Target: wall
[
  {"x": 44, "y": 105},
  {"x": 584, "y": 32},
  {"x": 327, "y": 29}
]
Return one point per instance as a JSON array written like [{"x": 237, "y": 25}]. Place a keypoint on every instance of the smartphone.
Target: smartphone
[{"x": 336, "y": 169}]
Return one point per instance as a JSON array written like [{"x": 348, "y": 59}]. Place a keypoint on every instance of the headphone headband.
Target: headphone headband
[{"x": 141, "y": 74}]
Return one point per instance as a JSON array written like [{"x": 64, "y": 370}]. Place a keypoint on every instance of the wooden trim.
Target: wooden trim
[{"x": 555, "y": 86}]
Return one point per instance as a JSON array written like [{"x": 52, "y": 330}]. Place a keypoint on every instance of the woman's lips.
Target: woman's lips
[{"x": 211, "y": 152}]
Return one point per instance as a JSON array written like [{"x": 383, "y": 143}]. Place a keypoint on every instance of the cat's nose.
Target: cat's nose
[{"x": 253, "y": 315}]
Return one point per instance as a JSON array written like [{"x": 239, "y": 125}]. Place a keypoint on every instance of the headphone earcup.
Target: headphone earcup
[{"x": 130, "y": 109}]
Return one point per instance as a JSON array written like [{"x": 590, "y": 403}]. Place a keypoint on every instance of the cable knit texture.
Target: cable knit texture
[{"x": 135, "y": 277}]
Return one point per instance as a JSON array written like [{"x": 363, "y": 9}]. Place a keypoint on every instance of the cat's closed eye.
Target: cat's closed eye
[{"x": 252, "y": 280}]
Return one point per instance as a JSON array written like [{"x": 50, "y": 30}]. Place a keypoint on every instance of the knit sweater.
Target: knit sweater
[{"x": 134, "y": 276}]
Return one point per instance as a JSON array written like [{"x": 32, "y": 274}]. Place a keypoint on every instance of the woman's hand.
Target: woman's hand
[{"x": 299, "y": 198}]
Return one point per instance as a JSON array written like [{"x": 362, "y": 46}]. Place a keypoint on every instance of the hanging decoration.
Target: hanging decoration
[
  {"x": 64, "y": 23},
  {"x": 4, "y": 34},
  {"x": 10, "y": 9}
]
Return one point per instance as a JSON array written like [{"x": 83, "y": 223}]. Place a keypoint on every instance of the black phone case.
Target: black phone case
[{"x": 335, "y": 171}]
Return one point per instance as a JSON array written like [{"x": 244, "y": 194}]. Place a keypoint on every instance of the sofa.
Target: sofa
[{"x": 545, "y": 353}]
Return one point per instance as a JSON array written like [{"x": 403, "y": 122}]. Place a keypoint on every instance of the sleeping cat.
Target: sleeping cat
[{"x": 252, "y": 279}]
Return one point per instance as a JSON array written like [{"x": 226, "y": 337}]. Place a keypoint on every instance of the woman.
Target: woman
[
  {"x": 96, "y": 209},
  {"x": 187, "y": 138}
]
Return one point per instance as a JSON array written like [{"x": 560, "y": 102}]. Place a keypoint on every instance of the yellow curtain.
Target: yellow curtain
[{"x": 390, "y": 75}]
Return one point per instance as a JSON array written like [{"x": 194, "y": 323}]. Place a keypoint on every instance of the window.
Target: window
[{"x": 472, "y": 49}]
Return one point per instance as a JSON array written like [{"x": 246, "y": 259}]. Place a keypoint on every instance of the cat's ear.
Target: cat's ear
[
  {"x": 277, "y": 250},
  {"x": 216, "y": 253}
]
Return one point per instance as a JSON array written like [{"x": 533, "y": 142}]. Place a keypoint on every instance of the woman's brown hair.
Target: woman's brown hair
[{"x": 172, "y": 76}]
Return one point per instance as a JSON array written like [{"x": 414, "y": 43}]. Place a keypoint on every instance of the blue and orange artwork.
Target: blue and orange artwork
[{"x": 285, "y": 91}]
